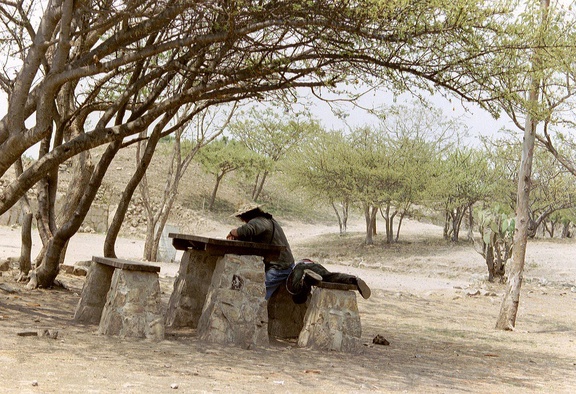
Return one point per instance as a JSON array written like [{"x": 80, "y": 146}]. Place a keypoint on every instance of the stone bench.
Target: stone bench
[
  {"x": 123, "y": 297},
  {"x": 332, "y": 320}
]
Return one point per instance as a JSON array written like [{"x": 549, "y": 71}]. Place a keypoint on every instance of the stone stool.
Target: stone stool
[
  {"x": 124, "y": 297},
  {"x": 332, "y": 321}
]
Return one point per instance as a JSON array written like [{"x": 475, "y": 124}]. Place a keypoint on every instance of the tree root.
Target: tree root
[
  {"x": 33, "y": 283},
  {"x": 22, "y": 277}
]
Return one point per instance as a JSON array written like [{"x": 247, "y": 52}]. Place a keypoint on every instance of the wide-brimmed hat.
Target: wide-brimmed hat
[{"x": 246, "y": 208}]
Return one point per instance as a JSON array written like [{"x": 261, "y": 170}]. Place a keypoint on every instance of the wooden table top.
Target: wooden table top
[{"x": 218, "y": 246}]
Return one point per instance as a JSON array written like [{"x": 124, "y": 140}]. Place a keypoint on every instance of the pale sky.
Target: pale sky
[{"x": 480, "y": 122}]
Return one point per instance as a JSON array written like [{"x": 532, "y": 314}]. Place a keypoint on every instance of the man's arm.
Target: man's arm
[{"x": 250, "y": 230}]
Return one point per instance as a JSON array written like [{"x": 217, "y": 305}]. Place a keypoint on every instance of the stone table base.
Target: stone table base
[
  {"x": 235, "y": 310},
  {"x": 190, "y": 289},
  {"x": 94, "y": 292}
]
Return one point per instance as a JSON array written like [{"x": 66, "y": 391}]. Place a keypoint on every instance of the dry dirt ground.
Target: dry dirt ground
[{"x": 429, "y": 300}]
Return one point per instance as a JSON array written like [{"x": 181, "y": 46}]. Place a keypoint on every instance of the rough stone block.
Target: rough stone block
[
  {"x": 133, "y": 306},
  {"x": 332, "y": 321},
  {"x": 94, "y": 292},
  {"x": 190, "y": 288},
  {"x": 235, "y": 311}
]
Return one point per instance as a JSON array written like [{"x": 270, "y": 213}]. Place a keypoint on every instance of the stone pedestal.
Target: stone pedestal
[
  {"x": 94, "y": 292},
  {"x": 235, "y": 310},
  {"x": 285, "y": 318},
  {"x": 133, "y": 306},
  {"x": 190, "y": 289},
  {"x": 332, "y": 321}
]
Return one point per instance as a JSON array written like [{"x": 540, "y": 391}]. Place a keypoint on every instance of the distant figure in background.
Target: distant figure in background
[{"x": 261, "y": 227}]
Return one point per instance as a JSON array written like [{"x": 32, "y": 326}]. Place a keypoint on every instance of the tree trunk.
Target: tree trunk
[
  {"x": 178, "y": 166},
  {"x": 509, "y": 308},
  {"x": 213, "y": 197},
  {"x": 255, "y": 187},
  {"x": 457, "y": 217},
  {"x": 83, "y": 169},
  {"x": 566, "y": 229},
  {"x": 489, "y": 258},
  {"x": 470, "y": 234},
  {"x": 260, "y": 186},
  {"x": 150, "y": 235},
  {"x": 345, "y": 209},
  {"x": 45, "y": 217},
  {"x": 340, "y": 223},
  {"x": 160, "y": 223},
  {"x": 25, "y": 263},
  {"x": 446, "y": 231},
  {"x": 532, "y": 228},
  {"x": 389, "y": 223},
  {"x": 370, "y": 213},
  {"x": 400, "y": 225},
  {"x": 26, "y": 249},
  {"x": 155, "y": 225},
  {"x": 48, "y": 270},
  {"x": 390, "y": 229},
  {"x": 120, "y": 214}
]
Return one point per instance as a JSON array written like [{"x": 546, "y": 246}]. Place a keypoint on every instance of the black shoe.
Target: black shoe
[
  {"x": 363, "y": 288},
  {"x": 300, "y": 298}
]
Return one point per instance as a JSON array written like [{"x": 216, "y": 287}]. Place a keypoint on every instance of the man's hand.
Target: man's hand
[{"x": 232, "y": 235}]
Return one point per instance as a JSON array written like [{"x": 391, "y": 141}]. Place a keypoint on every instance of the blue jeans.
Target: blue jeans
[{"x": 275, "y": 278}]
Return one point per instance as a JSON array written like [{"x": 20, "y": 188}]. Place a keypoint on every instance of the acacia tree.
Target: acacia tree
[
  {"x": 350, "y": 168},
  {"x": 223, "y": 156},
  {"x": 463, "y": 178},
  {"x": 317, "y": 168},
  {"x": 385, "y": 170},
  {"x": 552, "y": 191},
  {"x": 271, "y": 136},
  {"x": 92, "y": 74},
  {"x": 416, "y": 135},
  {"x": 187, "y": 142},
  {"x": 374, "y": 178},
  {"x": 552, "y": 187}
]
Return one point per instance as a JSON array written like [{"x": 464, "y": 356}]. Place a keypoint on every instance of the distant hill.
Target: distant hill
[{"x": 190, "y": 213}]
